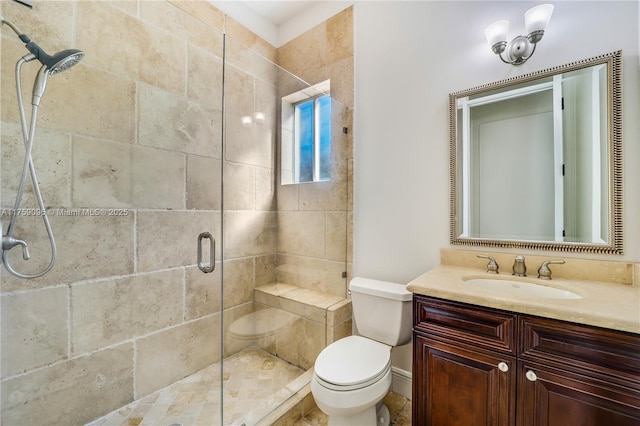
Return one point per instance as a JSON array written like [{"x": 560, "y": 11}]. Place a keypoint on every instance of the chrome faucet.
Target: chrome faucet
[
  {"x": 492, "y": 266},
  {"x": 544, "y": 272},
  {"x": 9, "y": 242},
  {"x": 519, "y": 268}
]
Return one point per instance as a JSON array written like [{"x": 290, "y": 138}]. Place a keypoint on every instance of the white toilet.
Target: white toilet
[{"x": 352, "y": 375}]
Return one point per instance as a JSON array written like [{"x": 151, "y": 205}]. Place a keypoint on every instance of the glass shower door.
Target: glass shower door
[
  {"x": 128, "y": 154},
  {"x": 134, "y": 168},
  {"x": 284, "y": 246}
]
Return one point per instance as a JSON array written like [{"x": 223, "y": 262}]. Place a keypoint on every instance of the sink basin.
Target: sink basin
[{"x": 521, "y": 288}]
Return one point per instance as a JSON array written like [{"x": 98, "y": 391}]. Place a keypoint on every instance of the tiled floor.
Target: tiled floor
[
  {"x": 254, "y": 382},
  {"x": 399, "y": 408}
]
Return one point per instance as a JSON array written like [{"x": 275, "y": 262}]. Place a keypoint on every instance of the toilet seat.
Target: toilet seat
[{"x": 352, "y": 363}]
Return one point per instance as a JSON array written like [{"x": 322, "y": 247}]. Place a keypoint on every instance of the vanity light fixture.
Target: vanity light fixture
[{"x": 520, "y": 48}]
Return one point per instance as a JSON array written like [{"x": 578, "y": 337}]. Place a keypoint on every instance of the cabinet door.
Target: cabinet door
[
  {"x": 457, "y": 385},
  {"x": 555, "y": 397}
]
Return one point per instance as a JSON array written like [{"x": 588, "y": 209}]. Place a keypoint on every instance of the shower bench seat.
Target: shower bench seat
[
  {"x": 310, "y": 304},
  {"x": 293, "y": 323}
]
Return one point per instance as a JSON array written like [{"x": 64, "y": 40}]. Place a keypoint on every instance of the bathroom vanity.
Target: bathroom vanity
[
  {"x": 492, "y": 348},
  {"x": 485, "y": 358}
]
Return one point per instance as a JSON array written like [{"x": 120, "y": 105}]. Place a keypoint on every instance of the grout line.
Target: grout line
[
  {"x": 69, "y": 322},
  {"x": 184, "y": 294},
  {"x": 135, "y": 241},
  {"x": 134, "y": 370},
  {"x": 186, "y": 68}
]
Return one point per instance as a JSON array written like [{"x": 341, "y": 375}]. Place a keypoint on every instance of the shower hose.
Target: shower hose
[{"x": 28, "y": 136}]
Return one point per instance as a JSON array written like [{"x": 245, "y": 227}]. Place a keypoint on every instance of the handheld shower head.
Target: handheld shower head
[
  {"x": 64, "y": 60},
  {"x": 39, "y": 85},
  {"x": 51, "y": 64},
  {"x": 59, "y": 62}
]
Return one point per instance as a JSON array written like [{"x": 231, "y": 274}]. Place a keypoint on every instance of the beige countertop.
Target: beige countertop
[{"x": 603, "y": 304}]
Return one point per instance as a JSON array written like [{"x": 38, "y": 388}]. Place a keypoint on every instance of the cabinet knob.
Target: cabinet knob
[
  {"x": 503, "y": 366},
  {"x": 531, "y": 376}
]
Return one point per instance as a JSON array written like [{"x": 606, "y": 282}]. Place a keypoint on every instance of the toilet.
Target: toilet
[{"x": 352, "y": 375}]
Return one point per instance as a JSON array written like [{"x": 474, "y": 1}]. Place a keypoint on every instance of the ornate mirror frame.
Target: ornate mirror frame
[{"x": 615, "y": 224}]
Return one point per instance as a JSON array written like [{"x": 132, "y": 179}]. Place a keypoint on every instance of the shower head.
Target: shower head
[
  {"x": 51, "y": 64},
  {"x": 59, "y": 62}
]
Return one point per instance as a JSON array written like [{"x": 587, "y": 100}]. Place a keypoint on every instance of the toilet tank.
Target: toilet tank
[{"x": 381, "y": 310}]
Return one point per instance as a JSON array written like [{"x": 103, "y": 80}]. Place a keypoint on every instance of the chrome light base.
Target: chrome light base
[{"x": 519, "y": 49}]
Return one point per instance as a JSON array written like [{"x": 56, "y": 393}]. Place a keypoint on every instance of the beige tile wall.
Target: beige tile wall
[
  {"x": 314, "y": 219},
  {"x": 137, "y": 127},
  {"x": 70, "y": 392}
]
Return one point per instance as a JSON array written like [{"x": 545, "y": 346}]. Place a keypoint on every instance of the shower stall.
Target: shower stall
[{"x": 158, "y": 157}]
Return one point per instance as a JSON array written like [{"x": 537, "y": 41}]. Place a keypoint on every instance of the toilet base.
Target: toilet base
[
  {"x": 383, "y": 414},
  {"x": 377, "y": 415},
  {"x": 366, "y": 417}
]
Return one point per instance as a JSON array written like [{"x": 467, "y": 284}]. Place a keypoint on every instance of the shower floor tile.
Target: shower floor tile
[{"x": 254, "y": 383}]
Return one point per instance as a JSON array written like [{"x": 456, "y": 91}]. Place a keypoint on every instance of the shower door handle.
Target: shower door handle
[{"x": 212, "y": 253}]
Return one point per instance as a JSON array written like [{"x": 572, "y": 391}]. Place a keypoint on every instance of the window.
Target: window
[{"x": 306, "y": 136}]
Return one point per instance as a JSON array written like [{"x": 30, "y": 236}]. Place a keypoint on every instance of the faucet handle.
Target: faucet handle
[
  {"x": 492, "y": 266},
  {"x": 8, "y": 242},
  {"x": 544, "y": 272}
]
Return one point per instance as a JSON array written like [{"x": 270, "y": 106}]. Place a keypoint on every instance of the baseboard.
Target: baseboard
[{"x": 401, "y": 382}]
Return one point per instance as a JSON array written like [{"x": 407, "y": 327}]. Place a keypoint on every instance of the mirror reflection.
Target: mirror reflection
[{"x": 535, "y": 160}]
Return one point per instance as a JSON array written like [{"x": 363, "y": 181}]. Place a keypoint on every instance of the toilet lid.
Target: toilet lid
[{"x": 352, "y": 362}]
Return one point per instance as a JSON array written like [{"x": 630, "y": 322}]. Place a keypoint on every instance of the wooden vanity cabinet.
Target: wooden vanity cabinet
[
  {"x": 482, "y": 366},
  {"x": 464, "y": 365},
  {"x": 571, "y": 374}
]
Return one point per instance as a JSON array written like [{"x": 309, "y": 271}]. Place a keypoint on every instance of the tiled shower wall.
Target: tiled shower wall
[
  {"x": 128, "y": 152},
  {"x": 315, "y": 220}
]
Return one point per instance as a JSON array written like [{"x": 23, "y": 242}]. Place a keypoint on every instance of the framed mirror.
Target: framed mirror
[{"x": 536, "y": 160}]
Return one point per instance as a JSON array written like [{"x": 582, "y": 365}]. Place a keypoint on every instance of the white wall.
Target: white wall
[{"x": 408, "y": 57}]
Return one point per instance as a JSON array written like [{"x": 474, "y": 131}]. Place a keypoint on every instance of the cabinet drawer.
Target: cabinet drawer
[
  {"x": 472, "y": 325},
  {"x": 581, "y": 347}
]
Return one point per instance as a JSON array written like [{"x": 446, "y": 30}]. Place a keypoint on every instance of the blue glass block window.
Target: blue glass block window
[{"x": 312, "y": 139}]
